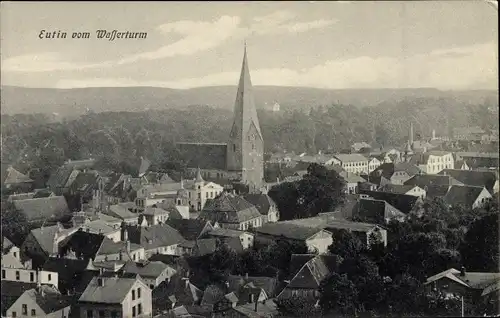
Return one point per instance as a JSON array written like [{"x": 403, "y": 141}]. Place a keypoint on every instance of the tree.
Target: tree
[
  {"x": 480, "y": 247},
  {"x": 15, "y": 226},
  {"x": 222, "y": 261},
  {"x": 279, "y": 253},
  {"x": 346, "y": 244},
  {"x": 297, "y": 306},
  {"x": 339, "y": 294}
]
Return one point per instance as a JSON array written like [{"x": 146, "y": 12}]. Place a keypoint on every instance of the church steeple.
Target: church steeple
[
  {"x": 199, "y": 178},
  {"x": 245, "y": 146}
]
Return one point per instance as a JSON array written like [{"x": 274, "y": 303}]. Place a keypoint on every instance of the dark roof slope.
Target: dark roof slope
[
  {"x": 261, "y": 201},
  {"x": 475, "y": 178},
  {"x": 229, "y": 208},
  {"x": 463, "y": 195},
  {"x": 43, "y": 208},
  {"x": 428, "y": 180},
  {"x": 190, "y": 229},
  {"x": 403, "y": 202},
  {"x": 287, "y": 230},
  {"x": 386, "y": 170},
  {"x": 155, "y": 236}
]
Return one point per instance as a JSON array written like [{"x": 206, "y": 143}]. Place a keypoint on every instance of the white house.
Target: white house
[
  {"x": 432, "y": 162},
  {"x": 354, "y": 163},
  {"x": 373, "y": 164}
]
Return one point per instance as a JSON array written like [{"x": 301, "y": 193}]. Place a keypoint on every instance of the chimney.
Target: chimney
[
  {"x": 256, "y": 304},
  {"x": 128, "y": 247},
  {"x": 100, "y": 281},
  {"x": 246, "y": 276},
  {"x": 462, "y": 271},
  {"x": 124, "y": 234}
]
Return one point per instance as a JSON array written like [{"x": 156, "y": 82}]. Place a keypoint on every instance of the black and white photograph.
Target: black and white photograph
[{"x": 249, "y": 159}]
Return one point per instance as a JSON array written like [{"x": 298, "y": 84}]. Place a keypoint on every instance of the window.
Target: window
[
  {"x": 114, "y": 314},
  {"x": 138, "y": 293},
  {"x": 139, "y": 309},
  {"x": 3, "y": 273},
  {"x": 50, "y": 277},
  {"x": 90, "y": 314},
  {"x": 14, "y": 314},
  {"x": 199, "y": 195},
  {"x": 32, "y": 277},
  {"x": 101, "y": 314},
  {"x": 207, "y": 195},
  {"x": 15, "y": 254},
  {"x": 17, "y": 278},
  {"x": 133, "y": 294},
  {"x": 25, "y": 309},
  {"x": 33, "y": 312},
  {"x": 152, "y": 286},
  {"x": 133, "y": 312}
]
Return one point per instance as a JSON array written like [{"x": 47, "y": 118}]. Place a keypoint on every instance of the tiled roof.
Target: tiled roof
[
  {"x": 43, "y": 208},
  {"x": 98, "y": 226},
  {"x": 145, "y": 269},
  {"x": 49, "y": 301},
  {"x": 83, "y": 244},
  {"x": 70, "y": 272},
  {"x": 114, "y": 291},
  {"x": 268, "y": 284},
  {"x": 154, "y": 236},
  {"x": 287, "y": 230},
  {"x": 464, "y": 195},
  {"x": 397, "y": 188},
  {"x": 313, "y": 272},
  {"x": 403, "y": 202},
  {"x": 376, "y": 211},
  {"x": 428, "y": 180},
  {"x": 225, "y": 232},
  {"x": 190, "y": 229},
  {"x": 485, "y": 179},
  {"x": 386, "y": 170},
  {"x": 121, "y": 212},
  {"x": 8, "y": 260},
  {"x": 475, "y": 280},
  {"x": 11, "y": 291},
  {"x": 12, "y": 176},
  {"x": 85, "y": 182},
  {"x": 45, "y": 236},
  {"x": 154, "y": 211},
  {"x": 261, "y": 201},
  {"x": 229, "y": 208},
  {"x": 353, "y": 157},
  {"x": 204, "y": 155},
  {"x": 353, "y": 226}
]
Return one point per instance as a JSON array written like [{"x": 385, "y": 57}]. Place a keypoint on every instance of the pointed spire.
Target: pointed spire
[
  {"x": 198, "y": 176},
  {"x": 182, "y": 183}
]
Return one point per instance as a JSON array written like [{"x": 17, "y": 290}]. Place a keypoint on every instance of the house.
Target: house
[
  {"x": 266, "y": 206},
  {"x": 429, "y": 182},
  {"x": 468, "y": 133},
  {"x": 373, "y": 163},
  {"x": 476, "y": 285},
  {"x": 161, "y": 238},
  {"x": 155, "y": 216},
  {"x": 97, "y": 247},
  {"x": 308, "y": 271},
  {"x": 73, "y": 274},
  {"x": 404, "y": 189},
  {"x": 8, "y": 248},
  {"x": 432, "y": 162},
  {"x": 101, "y": 227},
  {"x": 43, "y": 209},
  {"x": 42, "y": 301},
  {"x": 475, "y": 178},
  {"x": 123, "y": 214},
  {"x": 15, "y": 271},
  {"x": 14, "y": 181},
  {"x": 199, "y": 191},
  {"x": 191, "y": 230},
  {"x": 153, "y": 194},
  {"x": 479, "y": 159},
  {"x": 354, "y": 163},
  {"x": 393, "y": 173},
  {"x": 461, "y": 165},
  {"x": 352, "y": 182},
  {"x": 316, "y": 239},
  {"x": 376, "y": 211},
  {"x": 245, "y": 238},
  {"x": 60, "y": 181},
  {"x": 467, "y": 196},
  {"x": 11, "y": 291},
  {"x": 178, "y": 292},
  {"x": 402, "y": 202},
  {"x": 84, "y": 185},
  {"x": 152, "y": 273},
  {"x": 44, "y": 242},
  {"x": 116, "y": 297},
  {"x": 231, "y": 211}
]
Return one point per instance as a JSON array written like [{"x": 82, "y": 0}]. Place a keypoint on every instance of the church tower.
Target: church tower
[{"x": 245, "y": 147}]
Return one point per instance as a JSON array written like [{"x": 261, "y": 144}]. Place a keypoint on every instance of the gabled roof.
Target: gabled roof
[
  {"x": 8, "y": 260},
  {"x": 464, "y": 195},
  {"x": 475, "y": 178},
  {"x": 114, "y": 291},
  {"x": 154, "y": 211},
  {"x": 43, "y": 208},
  {"x": 85, "y": 182},
  {"x": 229, "y": 208},
  {"x": 121, "y": 212},
  {"x": 377, "y": 211},
  {"x": 226, "y": 232},
  {"x": 314, "y": 271},
  {"x": 398, "y": 188},
  {"x": 190, "y": 229},
  {"x": 403, "y": 202},
  {"x": 487, "y": 282},
  {"x": 154, "y": 236},
  {"x": 45, "y": 236},
  {"x": 145, "y": 269},
  {"x": 386, "y": 170},
  {"x": 12, "y": 176},
  {"x": 428, "y": 180},
  {"x": 50, "y": 300},
  {"x": 83, "y": 244},
  {"x": 261, "y": 201},
  {"x": 353, "y": 157},
  {"x": 288, "y": 230},
  {"x": 72, "y": 273},
  {"x": 6, "y": 243}
]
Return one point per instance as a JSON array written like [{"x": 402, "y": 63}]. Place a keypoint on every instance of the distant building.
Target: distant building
[
  {"x": 354, "y": 163},
  {"x": 468, "y": 196},
  {"x": 276, "y": 107},
  {"x": 373, "y": 164},
  {"x": 14, "y": 181},
  {"x": 433, "y": 161}
]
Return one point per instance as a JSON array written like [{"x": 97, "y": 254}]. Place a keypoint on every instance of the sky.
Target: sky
[{"x": 449, "y": 45}]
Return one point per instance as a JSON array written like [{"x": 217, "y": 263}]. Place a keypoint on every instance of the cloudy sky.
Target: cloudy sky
[{"x": 343, "y": 44}]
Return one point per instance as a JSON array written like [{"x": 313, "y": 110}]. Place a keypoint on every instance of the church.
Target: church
[{"x": 241, "y": 159}]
